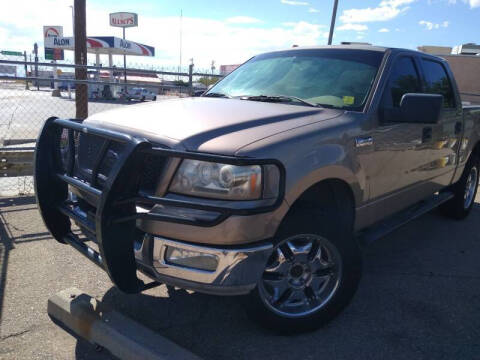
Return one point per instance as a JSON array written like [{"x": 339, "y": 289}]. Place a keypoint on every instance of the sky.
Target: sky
[{"x": 232, "y": 31}]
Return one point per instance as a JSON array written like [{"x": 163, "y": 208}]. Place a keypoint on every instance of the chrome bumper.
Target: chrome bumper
[{"x": 237, "y": 272}]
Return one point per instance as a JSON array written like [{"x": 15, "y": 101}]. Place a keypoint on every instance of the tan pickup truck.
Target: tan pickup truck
[{"x": 267, "y": 185}]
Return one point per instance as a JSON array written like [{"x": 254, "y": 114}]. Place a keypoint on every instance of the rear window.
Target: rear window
[{"x": 437, "y": 82}]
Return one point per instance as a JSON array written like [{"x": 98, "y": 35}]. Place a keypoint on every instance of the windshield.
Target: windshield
[{"x": 327, "y": 77}]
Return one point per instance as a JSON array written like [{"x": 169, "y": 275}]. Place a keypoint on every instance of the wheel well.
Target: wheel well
[
  {"x": 476, "y": 149},
  {"x": 324, "y": 193}
]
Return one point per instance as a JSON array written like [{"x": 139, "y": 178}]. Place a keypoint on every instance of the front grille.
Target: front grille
[
  {"x": 152, "y": 169},
  {"x": 88, "y": 147}
]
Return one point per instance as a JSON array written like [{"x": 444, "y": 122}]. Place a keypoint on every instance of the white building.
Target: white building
[{"x": 466, "y": 49}]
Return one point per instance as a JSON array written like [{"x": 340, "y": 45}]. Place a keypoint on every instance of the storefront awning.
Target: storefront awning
[{"x": 103, "y": 45}]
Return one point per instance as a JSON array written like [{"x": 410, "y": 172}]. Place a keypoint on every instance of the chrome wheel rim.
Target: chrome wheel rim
[
  {"x": 470, "y": 187},
  {"x": 301, "y": 276}
]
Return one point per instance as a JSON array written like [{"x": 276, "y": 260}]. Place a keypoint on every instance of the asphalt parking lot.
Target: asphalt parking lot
[
  {"x": 419, "y": 299},
  {"x": 24, "y": 111}
]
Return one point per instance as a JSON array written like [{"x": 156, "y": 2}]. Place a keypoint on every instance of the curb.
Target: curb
[{"x": 124, "y": 338}]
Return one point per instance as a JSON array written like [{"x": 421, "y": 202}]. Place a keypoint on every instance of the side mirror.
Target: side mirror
[
  {"x": 420, "y": 108},
  {"x": 414, "y": 108}
]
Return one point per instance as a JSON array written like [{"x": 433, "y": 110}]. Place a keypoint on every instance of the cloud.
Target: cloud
[
  {"x": 303, "y": 27},
  {"x": 295, "y": 3},
  {"x": 352, "y": 27},
  {"x": 432, "y": 26},
  {"x": 204, "y": 39},
  {"x": 313, "y": 10},
  {"x": 384, "y": 30},
  {"x": 386, "y": 10},
  {"x": 472, "y": 3},
  {"x": 243, "y": 20}
]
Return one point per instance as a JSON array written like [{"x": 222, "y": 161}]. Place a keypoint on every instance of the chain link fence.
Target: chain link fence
[{"x": 32, "y": 92}]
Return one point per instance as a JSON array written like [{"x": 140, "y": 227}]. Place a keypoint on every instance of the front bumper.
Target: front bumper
[
  {"x": 114, "y": 196},
  {"x": 236, "y": 273}
]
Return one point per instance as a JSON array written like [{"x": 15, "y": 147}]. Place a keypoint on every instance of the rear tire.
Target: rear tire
[
  {"x": 319, "y": 280},
  {"x": 464, "y": 191}
]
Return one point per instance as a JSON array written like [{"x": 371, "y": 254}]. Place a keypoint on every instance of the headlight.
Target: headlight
[{"x": 218, "y": 181}]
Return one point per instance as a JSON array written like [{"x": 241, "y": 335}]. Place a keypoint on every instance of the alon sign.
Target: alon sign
[{"x": 123, "y": 19}]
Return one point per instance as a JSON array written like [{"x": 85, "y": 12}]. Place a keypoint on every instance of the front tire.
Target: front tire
[
  {"x": 464, "y": 191},
  {"x": 315, "y": 268}
]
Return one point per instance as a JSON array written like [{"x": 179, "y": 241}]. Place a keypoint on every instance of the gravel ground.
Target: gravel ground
[
  {"x": 24, "y": 111},
  {"x": 419, "y": 299}
]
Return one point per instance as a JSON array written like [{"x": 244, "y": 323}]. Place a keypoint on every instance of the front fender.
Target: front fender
[{"x": 316, "y": 152}]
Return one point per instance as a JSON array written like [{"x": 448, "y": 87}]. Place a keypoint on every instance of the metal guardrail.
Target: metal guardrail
[
  {"x": 91, "y": 82},
  {"x": 16, "y": 163}
]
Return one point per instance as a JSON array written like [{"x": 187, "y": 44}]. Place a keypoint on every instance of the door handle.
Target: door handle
[
  {"x": 458, "y": 127},
  {"x": 426, "y": 134}
]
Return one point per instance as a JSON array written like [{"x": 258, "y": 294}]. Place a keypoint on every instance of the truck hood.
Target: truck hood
[{"x": 214, "y": 125}]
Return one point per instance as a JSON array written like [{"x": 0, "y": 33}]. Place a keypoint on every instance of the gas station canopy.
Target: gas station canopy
[{"x": 103, "y": 45}]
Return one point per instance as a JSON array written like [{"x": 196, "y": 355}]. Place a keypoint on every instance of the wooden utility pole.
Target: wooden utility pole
[
  {"x": 35, "y": 51},
  {"x": 332, "y": 24},
  {"x": 80, "y": 33}
]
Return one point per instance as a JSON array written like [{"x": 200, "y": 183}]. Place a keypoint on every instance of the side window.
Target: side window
[
  {"x": 438, "y": 82},
  {"x": 403, "y": 79}
]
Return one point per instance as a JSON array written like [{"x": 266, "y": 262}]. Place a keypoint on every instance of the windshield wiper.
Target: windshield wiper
[
  {"x": 278, "y": 98},
  {"x": 218, "y": 95}
]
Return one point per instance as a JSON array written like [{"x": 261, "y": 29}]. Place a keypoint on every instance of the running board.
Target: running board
[{"x": 392, "y": 223}]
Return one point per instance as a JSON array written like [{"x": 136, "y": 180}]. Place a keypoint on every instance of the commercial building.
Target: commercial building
[
  {"x": 465, "y": 64},
  {"x": 466, "y": 69},
  {"x": 227, "y": 69},
  {"x": 8, "y": 70},
  {"x": 466, "y": 49},
  {"x": 436, "y": 50}
]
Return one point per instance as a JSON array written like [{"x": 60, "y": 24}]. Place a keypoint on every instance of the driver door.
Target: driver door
[{"x": 396, "y": 165}]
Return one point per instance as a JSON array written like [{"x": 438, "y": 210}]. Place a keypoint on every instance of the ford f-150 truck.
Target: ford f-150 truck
[{"x": 267, "y": 185}]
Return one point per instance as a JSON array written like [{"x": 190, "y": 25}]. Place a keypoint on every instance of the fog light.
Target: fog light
[{"x": 191, "y": 259}]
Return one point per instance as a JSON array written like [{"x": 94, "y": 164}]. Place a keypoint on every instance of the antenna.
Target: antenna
[{"x": 332, "y": 24}]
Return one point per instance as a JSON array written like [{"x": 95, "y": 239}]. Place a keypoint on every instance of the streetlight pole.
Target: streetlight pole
[
  {"x": 181, "y": 43},
  {"x": 332, "y": 24},
  {"x": 73, "y": 19},
  {"x": 124, "y": 63}
]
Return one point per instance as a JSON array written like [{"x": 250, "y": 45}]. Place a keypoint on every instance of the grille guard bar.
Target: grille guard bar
[{"x": 115, "y": 218}]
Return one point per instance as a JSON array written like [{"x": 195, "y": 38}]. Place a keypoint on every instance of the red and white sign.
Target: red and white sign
[
  {"x": 103, "y": 45},
  {"x": 54, "y": 32},
  {"x": 123, "y": 19}
]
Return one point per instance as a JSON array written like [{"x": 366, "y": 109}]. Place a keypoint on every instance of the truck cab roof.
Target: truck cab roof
[{"x": 354, "y": 46}]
